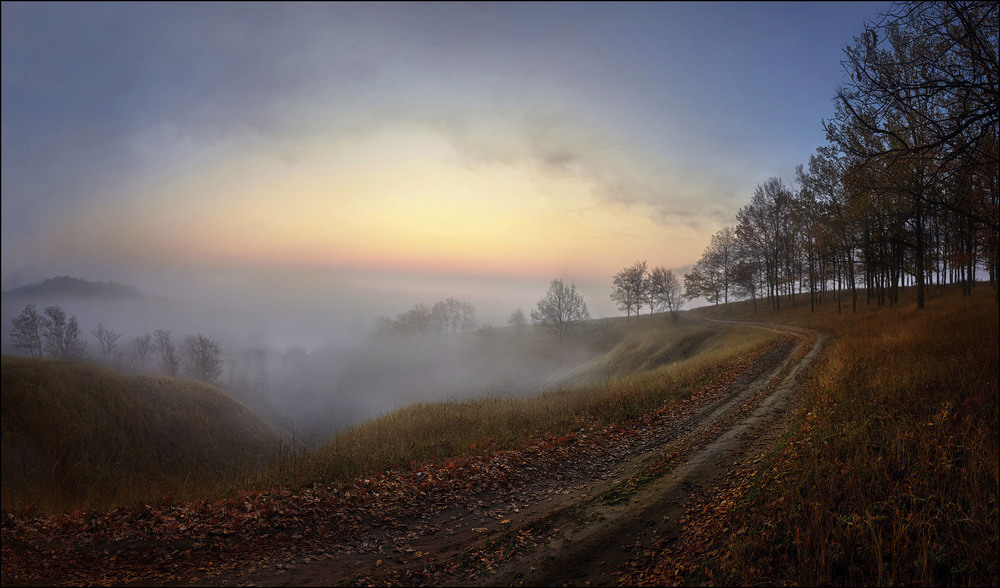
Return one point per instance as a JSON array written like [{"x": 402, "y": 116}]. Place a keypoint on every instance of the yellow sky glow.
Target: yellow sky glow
[{"x": 407, "y": 206}]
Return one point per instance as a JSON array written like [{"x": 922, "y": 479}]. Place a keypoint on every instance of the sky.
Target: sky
[{"x": 361, "y": 158}]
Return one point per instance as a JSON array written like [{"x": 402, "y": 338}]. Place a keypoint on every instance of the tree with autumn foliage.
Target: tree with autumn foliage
[{"x": 919, "y": 112}]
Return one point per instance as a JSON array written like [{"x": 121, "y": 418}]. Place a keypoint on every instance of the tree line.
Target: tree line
[
  {"x": 445, "y": 317},
  {"x": 559, "y": 312},
  {"x": 637, "y": 286},
  {"x": 905, "y": 192},
  {"x": 51, "y": 334}
]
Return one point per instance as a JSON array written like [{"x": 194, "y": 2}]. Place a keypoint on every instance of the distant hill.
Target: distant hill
[
  {"x": 79, "y": 434},
  {"x": 67, "y": 287}
]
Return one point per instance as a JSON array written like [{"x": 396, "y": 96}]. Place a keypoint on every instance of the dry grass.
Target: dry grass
[
  {"x": 647, "y": 365},
  {"x": 79, "y": 436},
  {"x": 890, "y": 472}
]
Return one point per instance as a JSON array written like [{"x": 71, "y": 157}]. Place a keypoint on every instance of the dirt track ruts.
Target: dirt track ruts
[
  {"x": 585, "y": 536},
  {"x": 590, "y": 554}
]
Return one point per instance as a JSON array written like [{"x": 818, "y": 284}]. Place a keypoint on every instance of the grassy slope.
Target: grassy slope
[
  {"x": 78, "y": 436},
  {"x": 890, "y": 472},
  {"x": 642, "y": 365}
]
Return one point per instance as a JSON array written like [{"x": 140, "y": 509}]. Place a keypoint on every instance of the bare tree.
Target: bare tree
[
  {"x": 27, "y": 331},
  {"x": 925, "y": 78},
  {"x": 469, "y": 321},
  {"x": 834, "y": 232},
  {"x": 62, "y": 337},
  {"x": 921, "y": 96},
  {"x": 746, "y": 276},
  {"x": 453, "y": 316},
  {"x": 445, "y": 317},
  {"x": 722, "y": 257},
  {"x": 665, "y": 291},
  {"x": 630, "y": 288},
  {"x": 700, "y": 282},
  {"x": 55, "y": 331},
  {"x": 109, "y": 342},
  {"x": 142, "y": 347},
  {"x": 762, "y": 228},
  {"x": 416, "y": 321},
  {"x": 74, "y": 347},
  {"x": 560, "y": 310},
  {"x": 204, "y": 357},
  {"x": 170, "y": 362},
  {"x": 712, "y": 276},
  {"x": 518, "y": 319}
]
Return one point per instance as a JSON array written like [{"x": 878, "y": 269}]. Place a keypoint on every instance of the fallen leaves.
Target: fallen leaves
[{"x": 172, "y": 542}]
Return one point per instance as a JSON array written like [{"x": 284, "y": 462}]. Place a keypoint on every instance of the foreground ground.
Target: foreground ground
[
  {"x": 578, "y": 509},
  {"x": 864, "y": 455}
]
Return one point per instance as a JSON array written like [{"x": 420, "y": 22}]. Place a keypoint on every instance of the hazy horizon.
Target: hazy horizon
[{"x": 362, "y": 158}]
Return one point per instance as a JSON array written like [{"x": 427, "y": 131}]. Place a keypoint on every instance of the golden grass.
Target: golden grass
[
  {"x": 79, "y": 436},
  {"x": 889, "y": 474},
  {"x": 650, "y": 364}
]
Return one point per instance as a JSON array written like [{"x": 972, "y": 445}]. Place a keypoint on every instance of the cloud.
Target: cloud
[
  {"x": 560, "y": 145},
  {"x": 128, "y": 101}
]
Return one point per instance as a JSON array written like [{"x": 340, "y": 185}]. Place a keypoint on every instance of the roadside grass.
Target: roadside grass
[
  {"x": 621, "y": 384},
  {"x": 889, "y": 472}
]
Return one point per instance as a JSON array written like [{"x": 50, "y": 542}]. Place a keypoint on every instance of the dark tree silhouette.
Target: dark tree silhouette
[
  {"x": 108, "y": 340},
  {"x": 62, "y": 336},
  {"x": 142, "y": 347},
  {"x": 55, "y": 331},
  {"x": 27, "y": 330},
  {"x": 170, "y": 362},
  {"x": 919, "y": 116},
  {"x": 560, "y": 310},
  {"x": 518, "y": 319},
  {"x": 665, "y": 291},
  {"x": 74, "y": 347},
  {"x": 630, "y": 288},
  {"x": 204, "y": 358}
]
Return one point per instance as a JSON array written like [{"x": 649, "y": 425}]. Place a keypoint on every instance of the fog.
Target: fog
[
  {"x": 308, "y": 360},
  {"x": 333, "y": 387}
]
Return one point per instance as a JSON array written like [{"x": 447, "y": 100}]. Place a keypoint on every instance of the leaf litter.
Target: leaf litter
[{"x": 459, "y": 517}]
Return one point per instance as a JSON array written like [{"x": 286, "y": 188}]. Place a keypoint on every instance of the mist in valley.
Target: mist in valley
[{"x": 312, "y": 367}]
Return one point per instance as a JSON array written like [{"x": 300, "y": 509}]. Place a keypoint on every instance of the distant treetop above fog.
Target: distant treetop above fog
[{"x": 65, "y": 286}]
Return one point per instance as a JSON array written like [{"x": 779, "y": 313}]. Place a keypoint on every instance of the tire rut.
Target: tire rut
[
  {"x": 590, "y": 553},
  {"x": 586, "y": 517}
]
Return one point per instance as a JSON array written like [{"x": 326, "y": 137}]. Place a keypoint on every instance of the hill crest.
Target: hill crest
[{"x": 69, "y": 287}]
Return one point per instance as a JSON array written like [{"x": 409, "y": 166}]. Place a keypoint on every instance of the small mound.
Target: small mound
[{"x": 76, "y": 435}]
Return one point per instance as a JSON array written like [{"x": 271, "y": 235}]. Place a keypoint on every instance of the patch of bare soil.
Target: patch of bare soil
[{"x": 563, "y": 511}]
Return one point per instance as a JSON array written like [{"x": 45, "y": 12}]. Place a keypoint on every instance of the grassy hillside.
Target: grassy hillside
[
  {"x": 77, "y": 436},
  {"x": 889, "y": 474},
  {"x": 641, "y": 365},
  {"x": 81, "y": 436}
]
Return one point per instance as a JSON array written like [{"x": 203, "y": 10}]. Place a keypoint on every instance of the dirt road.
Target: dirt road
[
  {"x": 578, "y": 525},
  {"x": 570, "y": 510}
]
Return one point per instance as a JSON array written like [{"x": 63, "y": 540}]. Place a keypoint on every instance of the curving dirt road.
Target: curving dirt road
[
  {"x": 741, "y": 425},
  {"x": 576, "y": 509},
  {"x": 578, "y": 525}
]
